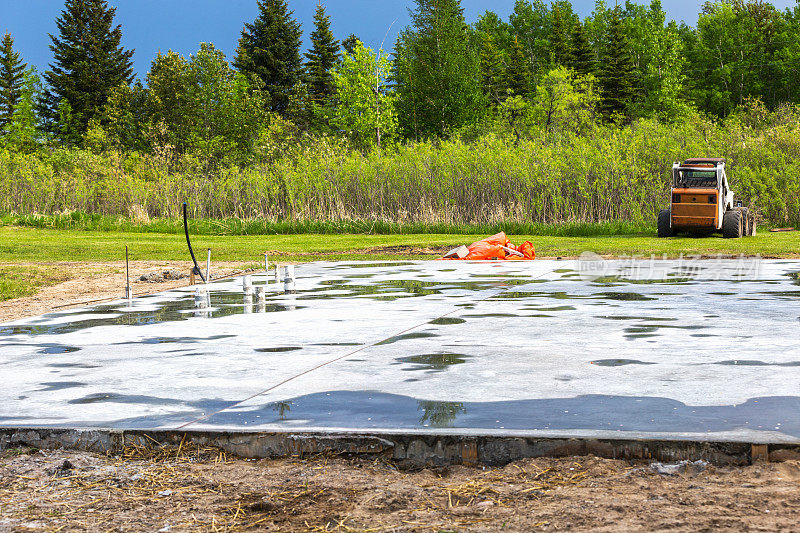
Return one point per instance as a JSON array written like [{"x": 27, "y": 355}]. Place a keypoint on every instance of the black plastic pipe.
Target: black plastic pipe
[{"x": 189, "y": 244}]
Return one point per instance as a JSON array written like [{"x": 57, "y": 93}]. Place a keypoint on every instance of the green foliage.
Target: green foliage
[
  {"x": 89, "y": 63},
  {"x": 560, "y": 42},
  {"x": 269, "y": 49},
  {"x": 12, "y": 76},
  {"x": 582, "y": 58},
  {"x": 23, "y": 133},
  {"x": 363, "y": 110},
  {"x": 532, "y": 24},
  {"x": 610, "y": 174},
  {"x": 437, "y": 71},
  {"x": 199, "y": 106},
  {"x": 566, "y": 102},
  {"x": 493, "y": 70},
  {"x": 321, "y": 58},
  {"x": 518, "y": 75},
  {"x": 617, "y": 71},
  {"x": 349, "y": 44}
]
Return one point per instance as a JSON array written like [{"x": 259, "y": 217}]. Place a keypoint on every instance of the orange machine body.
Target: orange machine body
[{"x": 695, "y": 208}]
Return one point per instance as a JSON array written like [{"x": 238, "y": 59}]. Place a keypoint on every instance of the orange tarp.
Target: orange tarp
[{"x": 494, "y": 247}]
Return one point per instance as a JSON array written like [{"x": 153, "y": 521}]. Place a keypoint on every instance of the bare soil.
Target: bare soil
[
  {"x": 208, "y": 491},
  {"x": 199, "y": 490},
  {"x": 95, "y": 282}
]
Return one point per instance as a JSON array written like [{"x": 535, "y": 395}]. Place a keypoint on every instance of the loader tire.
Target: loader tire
[
  {"x": 665, "y": 224},
  {"x": 732, "y": 224}
]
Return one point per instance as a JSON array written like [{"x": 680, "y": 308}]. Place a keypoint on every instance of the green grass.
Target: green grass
[
  {"x": 17, "y": 281},
  {"x": 18, "y": 244}
]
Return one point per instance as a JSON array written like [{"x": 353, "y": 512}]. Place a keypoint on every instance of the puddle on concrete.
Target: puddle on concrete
[
  {"x": 739, "y": 362},
  {"x": 407, "y": 336},
  {"x": 374, "y": 410},
  {"x": 493, "y": 315},
  {"x": 60, "y": 385},
  {"x": 338, "y": 344},
  {"x": 55, "y": 349},
  {"x": 279, "y": 349},
  {"x": 447, "y": 321},
  {"x": 434, "y": 362},
  {"x": 619, "y": 362},
  {"x": 73, "y": 365}
]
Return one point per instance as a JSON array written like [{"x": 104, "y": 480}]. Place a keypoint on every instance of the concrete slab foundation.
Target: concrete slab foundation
[{"x": 451, "y": 361}]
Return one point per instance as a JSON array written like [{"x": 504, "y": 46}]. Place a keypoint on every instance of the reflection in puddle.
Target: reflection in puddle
[
  {"x": 55, "y": 349},
  {"x": 446, "y": 321},
  {"x": 439, "y": 414},
  {"x": 620, "y": 362},
  {"x": 434, "y": 362},
  {"x": 60, "y": 385},
  {"x": 406, "y": 337}
]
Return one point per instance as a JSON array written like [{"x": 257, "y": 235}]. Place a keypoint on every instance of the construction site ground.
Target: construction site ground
[{"x": 202, "y": 489}]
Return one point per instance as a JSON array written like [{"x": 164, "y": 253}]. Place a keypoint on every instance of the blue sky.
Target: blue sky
[{"x": 180, "y": 25}]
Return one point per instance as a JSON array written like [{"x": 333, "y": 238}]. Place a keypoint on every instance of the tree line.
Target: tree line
[{"x": 545, "y": 69}]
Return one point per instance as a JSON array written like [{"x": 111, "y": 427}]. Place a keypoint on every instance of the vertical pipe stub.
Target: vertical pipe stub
[
  {"x": 288, "y": 278},
  {"x": 277, "y": 273},
  {"x": 247, "y": 284}
]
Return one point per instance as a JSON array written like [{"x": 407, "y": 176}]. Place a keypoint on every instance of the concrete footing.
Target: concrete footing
[{"x": 421, "y": 449}]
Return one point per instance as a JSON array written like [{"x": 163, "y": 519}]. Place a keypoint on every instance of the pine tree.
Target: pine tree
[
  {"x": 322, "y": 57},
  {"x": 617, "y": 71},
  {"x": 269, "y": 49},
  {"x": 560, "y": 46},
  {"x": 350, "y": 43},
  {"x": 582, "y": 59},
  {"x": 518, "y": 75},
  {"x": 493, "y": 71},
  {"x": 88, "y": 62},
  {"x": 437, "y": 71},
  {"x": 12, "y": 77}
]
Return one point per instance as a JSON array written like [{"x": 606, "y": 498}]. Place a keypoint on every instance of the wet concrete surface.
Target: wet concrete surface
[{"x": 616, "y": 348}]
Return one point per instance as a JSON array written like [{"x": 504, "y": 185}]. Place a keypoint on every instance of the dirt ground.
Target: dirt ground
[
  {"x": 94, "y": 282},
  {"x": 203, "y": 490}
]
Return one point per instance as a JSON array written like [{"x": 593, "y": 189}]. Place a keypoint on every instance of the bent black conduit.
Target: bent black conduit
[{"x": 189, "y": 243}]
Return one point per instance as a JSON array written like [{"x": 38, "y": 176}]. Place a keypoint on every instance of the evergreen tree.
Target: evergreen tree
[
  {"x": 269, "y": 49},
  {"x": 493, "y": 71},
  {"x": 518, "y": 74},
  {"x": 322, "y": 57},
  {"x": 12, "y": 77},
  {"x": 88, "y": 63},
  {"x": 351, "y": 43},
  {"x": 437, "y": 71},
  {"x": 560, "y": 46},
  {"x": 617, "y": 71},
  {"x": 582, "y": 58}
]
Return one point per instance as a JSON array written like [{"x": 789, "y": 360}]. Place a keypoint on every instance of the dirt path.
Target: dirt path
[
  {"x": 203, "y": 490},
  {"x": 91, "y": 282}
]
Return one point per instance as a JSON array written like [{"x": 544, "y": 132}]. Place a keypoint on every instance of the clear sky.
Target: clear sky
[{"x": 153, "y": 25}]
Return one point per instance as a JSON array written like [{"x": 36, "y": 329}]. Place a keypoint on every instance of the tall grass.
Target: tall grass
[
  {"x": 234, "y": 226},
  {"x": 611, "y": 176}
]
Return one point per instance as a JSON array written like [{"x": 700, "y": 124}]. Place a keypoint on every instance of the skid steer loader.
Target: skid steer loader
[{"x": 702, "y": 202}]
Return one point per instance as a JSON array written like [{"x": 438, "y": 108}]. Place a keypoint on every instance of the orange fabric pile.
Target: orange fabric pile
[{"x": 499, "y": 247}]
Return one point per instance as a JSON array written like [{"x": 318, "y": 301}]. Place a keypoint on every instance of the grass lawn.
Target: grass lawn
[
  {"x": 42, "y": 247},
  {"x": 19, "y": 244}
]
